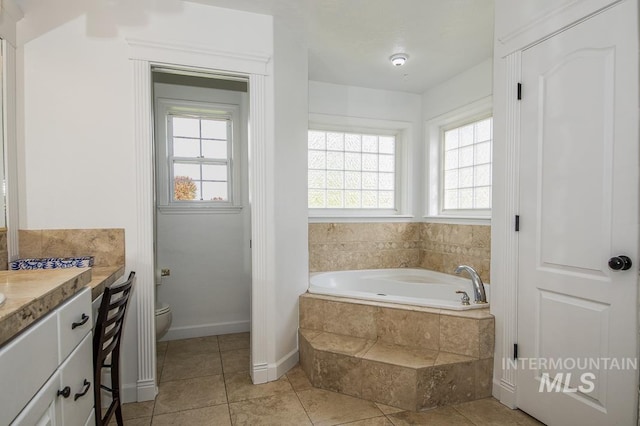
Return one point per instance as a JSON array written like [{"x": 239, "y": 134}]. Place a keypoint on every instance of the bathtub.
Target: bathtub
[{"x": 419, "y": 287}]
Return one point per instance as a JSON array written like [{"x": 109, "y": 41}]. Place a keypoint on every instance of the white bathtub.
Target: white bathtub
[{"x": 418, "y": 287}]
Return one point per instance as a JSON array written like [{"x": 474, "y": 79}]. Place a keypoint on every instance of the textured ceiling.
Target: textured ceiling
[{"x": 350, "y": 41}]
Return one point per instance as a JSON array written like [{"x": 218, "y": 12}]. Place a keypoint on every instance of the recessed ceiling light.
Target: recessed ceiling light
[{"x": 398, "y": 59}]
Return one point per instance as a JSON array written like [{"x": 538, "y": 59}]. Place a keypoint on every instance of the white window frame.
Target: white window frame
[
  {"x": 165, "y": 107},
  {"x": 434, "y": 131},
  {"x": 403, "y": 132}
]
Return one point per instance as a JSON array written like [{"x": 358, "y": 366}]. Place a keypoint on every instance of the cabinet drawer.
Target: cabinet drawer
[
  {"x": 74, "y": 322},
  {"x": 25, "y": 364},
  {"x": 44, "y": 407},
  {"x": 77, "y": 373}
]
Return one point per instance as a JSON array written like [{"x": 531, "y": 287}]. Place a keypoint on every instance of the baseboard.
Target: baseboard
[
  {"x": 203, "y": 330},
  {"x": 146, "y": 390},
  {"x": 128, "y": 393},
  {"x": 263, "y": 373}
]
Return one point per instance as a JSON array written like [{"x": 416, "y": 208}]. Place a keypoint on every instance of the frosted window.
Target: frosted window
[
  {"x": 466, "y": 166},
  {"x": 199, "y": 158},
  {"x": 351, "y": 170}
]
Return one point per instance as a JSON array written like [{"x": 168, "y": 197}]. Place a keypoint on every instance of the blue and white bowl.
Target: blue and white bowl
[{"x": 51, "y": 263}]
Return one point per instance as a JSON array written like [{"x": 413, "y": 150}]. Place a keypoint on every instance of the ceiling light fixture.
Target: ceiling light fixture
[{"x": 398, "y": 59}]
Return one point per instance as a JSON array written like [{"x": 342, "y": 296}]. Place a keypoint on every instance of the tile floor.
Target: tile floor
[{"x": 205, "y": 381}]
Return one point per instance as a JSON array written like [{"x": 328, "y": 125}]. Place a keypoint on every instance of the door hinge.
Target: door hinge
[
  {"x": 519, "y": 91},
  {"x": 515, "y": 351},
  {"x": 517, "y": 223}
]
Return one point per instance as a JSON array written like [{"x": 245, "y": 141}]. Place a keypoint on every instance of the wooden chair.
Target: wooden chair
[{"x": 106, "y": 347}]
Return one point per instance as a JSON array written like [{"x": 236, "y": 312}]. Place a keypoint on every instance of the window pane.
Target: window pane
[
  {"x": 335, "y": 141},
  {"x": 317, "y": 160},
  {"x": 466, "y": 135},
  {"x": 386, "y": 163},
  {"x": 214, "y": 149},
  {"x": 353, "y": 180},
  {"x": 353, "y": 199},
  {"x": 184, "y": 189},
  {"x": 387, "y": 144},
  {"x": 483, "y": 153},
  {"x": 214, "y": 129},
  {"x": 386, "y": 199},
  {"x": 483, "y": 130},
  {"x": 335, "y": 180},
  {"x": 214, "y": 172},
  {"x": 451, "y": 160},
  {"x": 465, "y": 198},
  {"x": 352, "y": 142},
  {"x": 385, "y": 181},
  {"x": 317, "y": 140},
  {"x": 370, "y": 162},
  {"x": 369, "y": 180},
  {"x": 465, "y": 177},
  {"x": 214, "y": 191},
  {"x": 335, "y": 160},
  {"x": 369, "y": 143},
  {"x": 335, "y": 199},
  {"x": 370, "y": 199},
  {"x": 317, "y": 179},
  {"x": 186, "y": 147},
  {"x": 451, "y": 139},
  {"x": 451, "y": 179},
  {"x": 352, "y": 161},
  {"x": 189, "y": 127},
  {"x": 317, "y": 199},
  {"x": 189, "y": 170},
  {"x": 450, "y": 199},
  {"x": 466, "y": 156},
  {"x": 482, "y": 175},
  {"x": 483, "y": 197}
]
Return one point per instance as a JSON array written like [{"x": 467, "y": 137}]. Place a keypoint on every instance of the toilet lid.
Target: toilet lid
[{"x": 162, "y": 308}]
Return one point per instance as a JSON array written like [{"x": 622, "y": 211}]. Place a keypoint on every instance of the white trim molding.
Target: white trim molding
[{"x": 143, "y": 56}]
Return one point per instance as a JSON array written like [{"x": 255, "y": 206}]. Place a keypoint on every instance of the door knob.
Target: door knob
[{"x": 620, "y": 263}]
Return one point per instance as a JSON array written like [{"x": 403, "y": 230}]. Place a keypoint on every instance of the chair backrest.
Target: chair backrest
[{"x": 109, "y": 324}]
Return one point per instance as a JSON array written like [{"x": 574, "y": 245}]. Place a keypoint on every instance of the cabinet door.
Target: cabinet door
[
  {"x": 77, "y": 373},
  {"x": 44, "y": 408}
]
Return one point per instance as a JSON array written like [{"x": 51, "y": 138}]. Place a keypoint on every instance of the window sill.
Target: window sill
[
  {"x": 459, "y": 220},
  {"x": 330, "y": 218},
  {"x": 199, "y": 210}
]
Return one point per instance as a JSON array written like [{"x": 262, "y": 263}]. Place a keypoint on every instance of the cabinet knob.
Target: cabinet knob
[{"x": 65, "y": 392}]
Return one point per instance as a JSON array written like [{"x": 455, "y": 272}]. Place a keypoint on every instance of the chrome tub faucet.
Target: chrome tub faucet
[{"x": 478, "y": 287}]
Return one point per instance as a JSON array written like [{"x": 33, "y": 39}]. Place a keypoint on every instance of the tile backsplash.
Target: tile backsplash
[
  {"x": 106, "y": 245},
  {"x": 436, "y": 246}
]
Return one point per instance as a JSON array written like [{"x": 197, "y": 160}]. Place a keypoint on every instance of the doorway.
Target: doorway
[{"x": 202, "y": 228}]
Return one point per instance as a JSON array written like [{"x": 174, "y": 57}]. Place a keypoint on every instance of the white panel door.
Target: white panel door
[{"x": 578, "y": 208}]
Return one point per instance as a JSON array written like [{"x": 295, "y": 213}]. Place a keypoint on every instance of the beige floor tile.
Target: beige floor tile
[
  {"x": 201, "y": 345},
  {"x": 330, "y": 408},
  {"x": 217, "y": 415},
  {"x": 143, "y": 421},
  {"x": 240, "y": 387},
  {"x": 375, "y": 421},
  {"x": 187, "y": 365},
  {"x": 187, "y": 394},
  {"x": 443, "y": 416},
  {"x": 228, "y": 342},
  {"x": 235, "y": 360},
  {"x": 388, "y": 409},
  {"x": 161, "y": 347},
  {"x": 136, "y": 410},
  {"x": 161, "y": 351},
  {"x": 489, "y": 411},
  {"x": 282, "y": 410},
  {"x": 298, "y": 379}
]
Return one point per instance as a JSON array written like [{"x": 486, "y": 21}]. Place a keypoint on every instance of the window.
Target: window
[
  {"x": 352, "y": 170},
  {"x": 195, "y": 152},
  {"x": 466, "y": 166},
  {"x": 199, "y": 148},
  {"x": 458, "y": 160}
]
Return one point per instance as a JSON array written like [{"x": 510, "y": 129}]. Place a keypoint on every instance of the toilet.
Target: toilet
[
  {"x": 163, "y": 312},
  {"x": 163, "y": 319}
]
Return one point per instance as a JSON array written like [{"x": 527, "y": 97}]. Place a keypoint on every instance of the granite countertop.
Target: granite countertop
[{"x": 32, "y": 294}]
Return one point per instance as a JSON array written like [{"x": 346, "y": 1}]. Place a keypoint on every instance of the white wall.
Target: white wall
[
  {"x": 460, "y": 90},
  {"x": 77, "y": 167},
  {"x": 290, "y": 204},
  {"x": 359, "y": 102},
  {"x": 208, "y": 253}
]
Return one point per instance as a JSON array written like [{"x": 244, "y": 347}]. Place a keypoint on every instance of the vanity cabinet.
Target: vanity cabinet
[{"x": 47, "y": 372}]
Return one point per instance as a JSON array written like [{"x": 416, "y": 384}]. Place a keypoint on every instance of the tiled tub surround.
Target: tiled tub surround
[
  {"x": 404, "y": 356},
  {"x": 4, "y": 252},
  {"x": 436, "y": 246}
]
